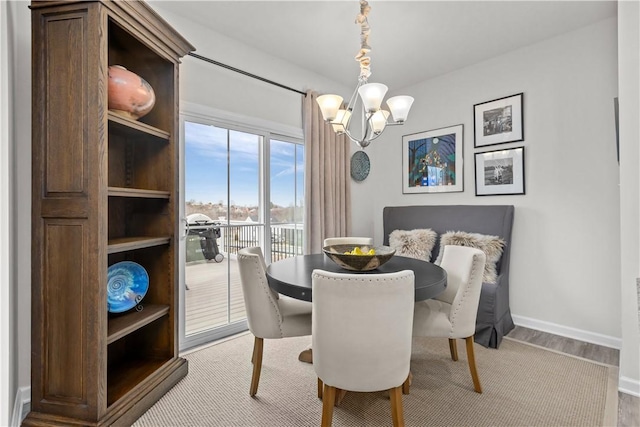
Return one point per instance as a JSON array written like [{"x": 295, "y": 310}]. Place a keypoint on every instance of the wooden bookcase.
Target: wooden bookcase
[{"x": 104, "y": 191}]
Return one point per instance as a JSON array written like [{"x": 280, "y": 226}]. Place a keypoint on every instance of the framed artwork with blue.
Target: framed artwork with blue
[{"x": 432, "y": 161}]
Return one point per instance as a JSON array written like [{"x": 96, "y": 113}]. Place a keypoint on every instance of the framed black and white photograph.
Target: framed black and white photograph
[
  {"x": 500, "y": 172},
  {"x": 498, "y": 121},
  {"x": 432, "y": 161}
]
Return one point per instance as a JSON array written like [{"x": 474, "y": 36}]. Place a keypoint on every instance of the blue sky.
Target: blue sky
[{"x": 206, "y": 167}]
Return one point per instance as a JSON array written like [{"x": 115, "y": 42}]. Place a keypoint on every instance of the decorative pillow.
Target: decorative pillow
[
  {"x": 416, "y": 243},
  {"x": 492, "y": 247}
]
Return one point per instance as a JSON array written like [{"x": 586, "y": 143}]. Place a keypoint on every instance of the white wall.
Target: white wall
[
  {"x": 7, "y": 374},
  {"x": 21, "y": 112},
  {"x": 566, "y": 250},
  {"x": 629, "y": 76}
]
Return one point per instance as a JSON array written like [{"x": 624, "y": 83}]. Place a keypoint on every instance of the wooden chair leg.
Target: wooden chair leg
[
  {"x": 258, "y": 344},
  {"x": 397, "y": 413},
  {"x": 453, "y": 348},
  {"x": 472, "y": 365},
  {"x": 327, "y": 405},
  {"x": 407, "y": 384},
  {"x": 320, "y": 387},
  {"x": 340, "y": 394}
]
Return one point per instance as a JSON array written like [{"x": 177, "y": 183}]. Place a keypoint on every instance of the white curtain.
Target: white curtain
[{"x": 327, "y": 179}]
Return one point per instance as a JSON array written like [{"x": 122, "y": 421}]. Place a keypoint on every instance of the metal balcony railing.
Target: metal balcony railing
[{"x": 286, "y": 239}]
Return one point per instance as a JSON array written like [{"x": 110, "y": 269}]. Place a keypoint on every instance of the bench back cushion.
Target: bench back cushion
[{"x": 495, "y": 220}]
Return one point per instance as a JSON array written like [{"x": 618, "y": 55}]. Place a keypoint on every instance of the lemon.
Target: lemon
[
  {"x": 357, "y": 251},
  {"x": 371, "y": 252}
]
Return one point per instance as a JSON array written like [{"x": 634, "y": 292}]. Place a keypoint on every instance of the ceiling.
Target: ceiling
[{"x": 411, "y": 41}]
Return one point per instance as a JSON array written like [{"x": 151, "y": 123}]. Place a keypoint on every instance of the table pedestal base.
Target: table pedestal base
[{"x": 306, "y": 356}]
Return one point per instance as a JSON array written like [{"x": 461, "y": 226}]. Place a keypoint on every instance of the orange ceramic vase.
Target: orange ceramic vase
[{"x": 129, "y": 94}]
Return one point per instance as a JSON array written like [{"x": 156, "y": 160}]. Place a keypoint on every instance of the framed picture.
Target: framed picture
[
  {"x": 498, "y": 121},
  {"x": 500, "y": 172},
  {"x": 432, "y": 161}
]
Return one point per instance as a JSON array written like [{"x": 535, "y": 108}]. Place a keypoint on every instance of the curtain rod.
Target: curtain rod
[{"x": 237, "y": 70}]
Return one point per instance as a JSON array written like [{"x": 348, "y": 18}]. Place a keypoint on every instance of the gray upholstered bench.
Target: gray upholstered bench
[{"x": 494, "y": 315}]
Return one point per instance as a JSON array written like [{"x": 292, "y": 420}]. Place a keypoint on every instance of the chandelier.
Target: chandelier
[{"x": 374, "y": 118}]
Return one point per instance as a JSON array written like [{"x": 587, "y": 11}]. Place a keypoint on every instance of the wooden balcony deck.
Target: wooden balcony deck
[{"x": 207, "y": 297}]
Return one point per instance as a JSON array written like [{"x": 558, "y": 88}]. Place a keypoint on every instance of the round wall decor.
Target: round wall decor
[{"x": 360, "y": 166}]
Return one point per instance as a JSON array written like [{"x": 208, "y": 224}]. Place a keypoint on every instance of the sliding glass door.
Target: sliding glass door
[
  {"x": 286, "y": 194},
  {"x": 241, "y": 189}
]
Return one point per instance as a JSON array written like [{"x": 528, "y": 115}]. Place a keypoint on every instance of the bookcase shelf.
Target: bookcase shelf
[
  {"x": 129, "y": 373},
  {"x": 125, "y": 324},
  {"x": 125, "y": 244},
  {"x": 137, "y": 192},
  {"x": 133, "y": 127}
]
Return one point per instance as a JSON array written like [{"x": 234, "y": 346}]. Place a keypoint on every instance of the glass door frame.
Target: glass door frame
[{"x": 267, "y": 130}]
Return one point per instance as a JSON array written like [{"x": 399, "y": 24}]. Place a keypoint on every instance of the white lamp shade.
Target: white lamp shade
[
  {"x": 329, "y": 106},
  {"x": 400, "y": 106},
  {"x": 379, "y": 121},
  {"x": 341, "y": 121},
  {"x": 372, "y": 95}
]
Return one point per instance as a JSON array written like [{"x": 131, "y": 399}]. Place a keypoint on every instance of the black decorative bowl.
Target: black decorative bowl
[{"x": 358, "y": 262}]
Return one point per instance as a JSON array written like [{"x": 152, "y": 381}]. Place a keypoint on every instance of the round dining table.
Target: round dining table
[{"x": 292, "y": 276}]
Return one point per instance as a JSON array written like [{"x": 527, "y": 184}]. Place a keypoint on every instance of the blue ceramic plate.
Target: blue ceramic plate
[{"x": 127, "y": 284}]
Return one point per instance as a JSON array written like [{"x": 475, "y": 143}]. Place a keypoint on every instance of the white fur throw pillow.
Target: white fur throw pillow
[
  {"x": 492, "y": 246},
  {"x": 414, "y": 243}
]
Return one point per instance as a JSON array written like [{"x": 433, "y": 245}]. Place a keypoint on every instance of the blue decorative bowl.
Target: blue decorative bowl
[{"x": 127, "y": 284}]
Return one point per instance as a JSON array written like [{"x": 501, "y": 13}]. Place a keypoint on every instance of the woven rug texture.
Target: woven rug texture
[{"x": 523, "y": 385}]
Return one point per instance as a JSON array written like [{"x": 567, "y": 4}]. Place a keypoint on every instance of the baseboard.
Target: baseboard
[
  {"x": 568, "y": 332},
  {"x": 629, "y": 386},
  {"x": 21, "y": 406}
]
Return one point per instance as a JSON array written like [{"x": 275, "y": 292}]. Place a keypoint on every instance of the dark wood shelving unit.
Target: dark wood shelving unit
[{"x": 104, "y": 191}]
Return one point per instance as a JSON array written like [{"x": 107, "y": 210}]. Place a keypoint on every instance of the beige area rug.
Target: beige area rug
[{"x": 523, "y": 385}]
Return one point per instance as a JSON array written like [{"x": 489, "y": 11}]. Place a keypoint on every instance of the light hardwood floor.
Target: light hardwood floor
[{"x": 628, "y": 406}]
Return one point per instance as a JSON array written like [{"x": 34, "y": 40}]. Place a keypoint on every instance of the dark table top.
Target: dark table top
[{"x": 292, "y": 276}]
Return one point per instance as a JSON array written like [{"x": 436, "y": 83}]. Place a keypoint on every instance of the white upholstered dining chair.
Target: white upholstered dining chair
[
  {"x": 452, "y": 314},
  {"x": 364, "y": 241},
  {"x": 269, "y": 315},
  {"x": 362, "y": 335}
]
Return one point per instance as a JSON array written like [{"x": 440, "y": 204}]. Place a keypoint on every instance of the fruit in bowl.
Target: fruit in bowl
[
  {"x": 359, "y": 258},
  {"x": 358, "y": 251}
]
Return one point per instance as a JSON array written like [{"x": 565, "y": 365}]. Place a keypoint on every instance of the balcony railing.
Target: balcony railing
[{"x": 286, "y": 239}]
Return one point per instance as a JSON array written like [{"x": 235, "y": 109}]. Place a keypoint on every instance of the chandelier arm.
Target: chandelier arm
[
  {"x": 359, "y": 143},
  {"x": 364, "y": 137},
  {"x": 374, "y": 137},
  {"x": 354, "y": 97}
]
